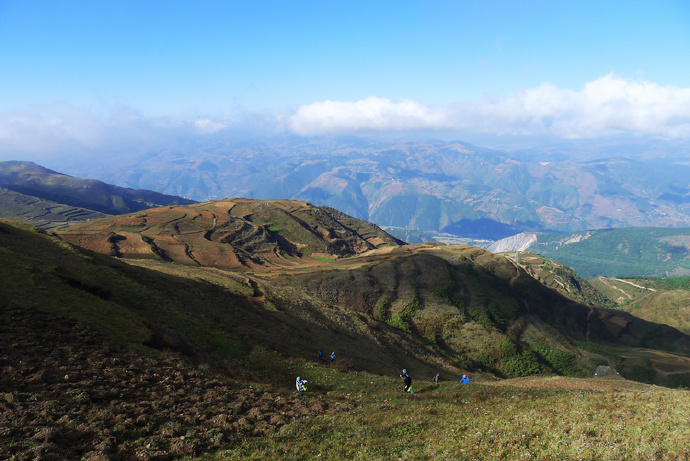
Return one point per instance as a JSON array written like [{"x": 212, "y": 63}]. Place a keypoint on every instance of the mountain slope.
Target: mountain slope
[
  {"x": 480, "y": 310},
  {"x": 232, "y": 234},
  {"x": 659, "y": 300},
  {"x": 483, "y": 309},
  {"x": 45, "y": 214},
  {"x": 30, "y": 179},
  {"x": 610, "y": 252},
  {"x": 208, "y": 315}
]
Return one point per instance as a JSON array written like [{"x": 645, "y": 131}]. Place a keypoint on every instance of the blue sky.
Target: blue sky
[{"x": 89, "y": 72}]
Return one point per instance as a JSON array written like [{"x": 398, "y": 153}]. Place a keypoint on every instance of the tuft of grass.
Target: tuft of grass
[{"x": 324, "y": 259}]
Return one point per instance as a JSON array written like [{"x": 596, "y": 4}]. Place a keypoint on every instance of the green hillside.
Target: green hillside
[
  {"x": 626, "y": 252},
  {"x": 659, "y": 300}
]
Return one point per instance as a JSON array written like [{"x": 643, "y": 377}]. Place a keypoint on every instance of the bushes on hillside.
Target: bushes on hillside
[{"x": 561, "y": 361}]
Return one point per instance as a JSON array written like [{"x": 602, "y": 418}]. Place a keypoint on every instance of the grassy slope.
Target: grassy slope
[
  {"x": 232, "y": 234},
  {"x": 535, "y": 418},
  {"x": 42, "y": 213},
  {"x": 211, "y": 315},
  {"x": 657, "y": 300},
  {"x": 483, "y": 312}
]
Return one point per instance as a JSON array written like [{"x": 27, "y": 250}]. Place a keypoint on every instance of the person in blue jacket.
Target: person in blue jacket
[{"x": 465, "y": 379}]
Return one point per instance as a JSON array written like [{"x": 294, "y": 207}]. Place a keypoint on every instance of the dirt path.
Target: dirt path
[{"x": 634, "y": 284}]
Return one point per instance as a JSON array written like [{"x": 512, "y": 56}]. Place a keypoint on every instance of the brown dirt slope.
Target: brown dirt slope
[
  {"x": 66, "y": 393},
  {"x": 232, "y": 234}
]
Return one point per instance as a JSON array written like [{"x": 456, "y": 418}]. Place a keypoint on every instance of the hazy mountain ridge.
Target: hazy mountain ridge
[
  {"x": 45, "y": 214},
  {"x": 441, "y": 186},
  {"x": 27, "y": 178}
]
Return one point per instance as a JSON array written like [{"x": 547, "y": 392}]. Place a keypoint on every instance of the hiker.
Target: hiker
[
  {"x": 465, "y": 379},
  {"x": 321, "y": 355},
  {"x": 301, "y": 384},
  {"x": 332, "y": 356},
  {"x": 407, "y": 381},
  {"x": 436, "y": 378}
]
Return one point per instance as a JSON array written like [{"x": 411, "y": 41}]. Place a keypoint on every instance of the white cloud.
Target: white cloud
[
  {"x": 207, "y": 126},
  {"x": 606, "y": 106},
  {"x": 370, "y": 114}
]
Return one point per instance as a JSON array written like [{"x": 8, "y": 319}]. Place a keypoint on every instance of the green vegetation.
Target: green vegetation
[
  {"x": 324, "y": 259},
  {"x": 403, "y": 320},
  {"x": 660, "y": 300},
  {"x": 561, "y": 361},
  {"x": 624, "y": 252}
]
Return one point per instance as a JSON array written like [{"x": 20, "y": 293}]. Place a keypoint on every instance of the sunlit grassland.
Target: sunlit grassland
[{"x": 532, "y": 418}]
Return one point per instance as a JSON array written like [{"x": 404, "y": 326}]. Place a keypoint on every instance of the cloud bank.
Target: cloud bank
[
  {"x": 46, "y": 130},
  {"x": 609, "y": 105}
]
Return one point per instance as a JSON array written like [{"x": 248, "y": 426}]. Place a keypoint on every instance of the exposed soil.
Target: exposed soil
[{"x": 66, "y": 393}]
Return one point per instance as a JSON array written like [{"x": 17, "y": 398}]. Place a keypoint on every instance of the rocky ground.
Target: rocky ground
[{"x": 66, "y": 393}]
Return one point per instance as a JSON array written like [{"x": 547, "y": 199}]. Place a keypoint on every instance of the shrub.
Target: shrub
[
  {"x": 382, "y": 311},
  {"x": 523, "y": 364},
  {"x": 561, "y": 361},
  {"x": 486, "y": 359},
  {"x": 403, "y": 320},
  {"x": 507, "y": 347}
]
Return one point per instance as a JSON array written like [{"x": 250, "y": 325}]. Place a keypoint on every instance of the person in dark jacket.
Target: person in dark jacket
[{"x": 407, "y": 381}]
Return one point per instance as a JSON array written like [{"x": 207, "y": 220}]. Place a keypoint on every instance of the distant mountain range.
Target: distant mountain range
[
  {"x": 54, "y": 200},
  {"x": 450, "y": 187}
]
